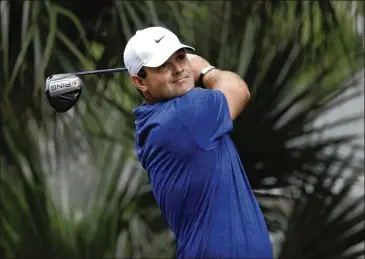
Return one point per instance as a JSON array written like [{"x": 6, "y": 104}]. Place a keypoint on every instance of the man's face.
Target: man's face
[{"x": 172, "y": 79}]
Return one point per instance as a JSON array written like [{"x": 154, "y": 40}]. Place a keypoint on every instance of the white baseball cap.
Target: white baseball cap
[{"x": 151, "y": 47}]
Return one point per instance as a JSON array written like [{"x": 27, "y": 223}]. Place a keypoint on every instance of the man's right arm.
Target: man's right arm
[{"x": 232, "y": 86}]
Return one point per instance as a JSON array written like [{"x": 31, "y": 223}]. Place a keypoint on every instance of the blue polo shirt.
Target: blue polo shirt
[{"x": 197, "y": 177}]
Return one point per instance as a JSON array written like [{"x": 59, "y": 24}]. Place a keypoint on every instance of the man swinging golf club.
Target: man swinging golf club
[{"x": 182, "y": 142}]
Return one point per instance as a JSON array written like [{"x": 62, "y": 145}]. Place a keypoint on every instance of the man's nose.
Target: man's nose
[{"x": 177, "y": 68}]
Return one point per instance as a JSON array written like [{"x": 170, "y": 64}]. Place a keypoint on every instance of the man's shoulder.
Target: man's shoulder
[
  {"x": 193, "y": 95},
  {"x": 190, "y": 101},
  {"x": 198, "y": 98},
  {"x": 197, "y": 104},
  {"x": 163, "y": 131},
  {"x": 170, "y": 112},
  {"x": 160, "y": 122}
]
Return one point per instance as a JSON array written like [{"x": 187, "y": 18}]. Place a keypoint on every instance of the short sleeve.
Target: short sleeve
[{"x": 205, "y": 114}]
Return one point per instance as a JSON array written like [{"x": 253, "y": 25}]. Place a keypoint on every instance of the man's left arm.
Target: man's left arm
[{"x": 233, "y": 87}]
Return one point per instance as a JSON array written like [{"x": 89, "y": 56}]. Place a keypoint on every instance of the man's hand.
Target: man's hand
[{"x": 198, "y": 64}]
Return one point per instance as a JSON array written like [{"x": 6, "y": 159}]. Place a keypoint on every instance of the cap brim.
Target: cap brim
[{"x": 165, "y": 54}]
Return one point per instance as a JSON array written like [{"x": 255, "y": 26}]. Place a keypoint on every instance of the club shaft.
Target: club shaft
[{"x": 102, "y": 71}]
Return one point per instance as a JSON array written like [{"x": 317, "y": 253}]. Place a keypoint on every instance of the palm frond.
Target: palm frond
[{"x": 326, "y": 220}]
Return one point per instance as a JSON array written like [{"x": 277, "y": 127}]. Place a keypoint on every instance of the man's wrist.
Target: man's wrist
[{"x": 202, "y": 74}]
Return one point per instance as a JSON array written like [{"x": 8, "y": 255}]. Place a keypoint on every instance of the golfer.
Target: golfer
[{"x": 182, "y": 142}]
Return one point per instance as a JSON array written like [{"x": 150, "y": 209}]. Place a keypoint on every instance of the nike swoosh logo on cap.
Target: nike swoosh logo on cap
[{"x": 158, "y": 40}]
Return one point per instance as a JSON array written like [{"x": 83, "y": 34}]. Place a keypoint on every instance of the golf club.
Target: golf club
[{"x": 64, "y": 90}]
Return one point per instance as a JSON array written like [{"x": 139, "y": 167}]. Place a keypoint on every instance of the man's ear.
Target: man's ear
[{"x": 139, "y": 83}]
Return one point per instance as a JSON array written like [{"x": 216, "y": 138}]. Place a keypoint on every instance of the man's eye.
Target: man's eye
[
  {"x": 164, "y": 65},
  {"x": 181, "y": 57}
]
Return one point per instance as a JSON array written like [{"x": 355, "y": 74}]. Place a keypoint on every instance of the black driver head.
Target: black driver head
[{"x": 63, "y": 91}]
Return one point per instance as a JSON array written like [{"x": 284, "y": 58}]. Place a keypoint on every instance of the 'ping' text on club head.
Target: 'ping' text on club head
[{"x": 61, "y": 86}]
